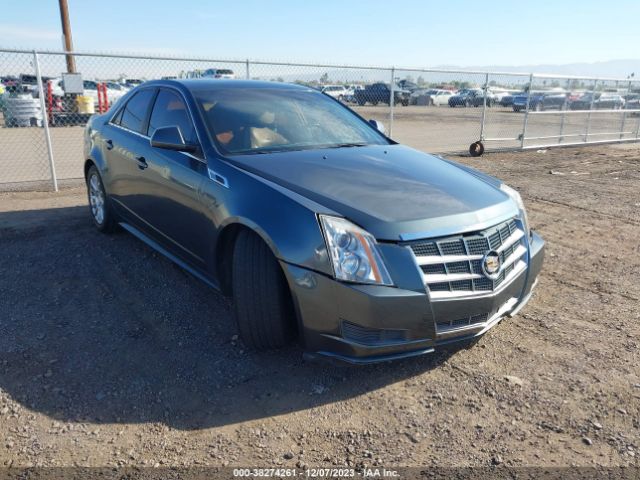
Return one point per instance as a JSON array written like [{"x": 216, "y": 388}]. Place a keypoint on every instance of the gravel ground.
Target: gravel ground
[{"x": 112, "y": 356}]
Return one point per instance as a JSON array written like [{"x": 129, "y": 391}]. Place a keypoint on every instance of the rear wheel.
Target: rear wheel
[
  {"x": 99, "y": 204},
  {"x": 263, "y": 308}
]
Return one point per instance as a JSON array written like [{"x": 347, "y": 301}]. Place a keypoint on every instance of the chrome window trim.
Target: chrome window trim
[{"x": 218, "y": 178}]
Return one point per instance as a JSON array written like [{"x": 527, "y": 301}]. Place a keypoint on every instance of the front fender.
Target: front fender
[{"x": 285, "y": 220}]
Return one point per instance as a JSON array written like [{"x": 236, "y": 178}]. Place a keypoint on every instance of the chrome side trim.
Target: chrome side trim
[
  {"x": 156, "y": 246},
  {"x": 216, "y": 177}
]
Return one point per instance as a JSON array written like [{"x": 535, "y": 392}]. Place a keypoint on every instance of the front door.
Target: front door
[{"x": 171, "y": 183}]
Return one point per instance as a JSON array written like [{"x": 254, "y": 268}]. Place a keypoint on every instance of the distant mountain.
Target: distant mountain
[
  {"x": 609, "y": 68},
  {"x": 619, "y": 69}
]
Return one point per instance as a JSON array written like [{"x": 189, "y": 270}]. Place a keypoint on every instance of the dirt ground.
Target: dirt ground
[{"x": 111, "y": 355}]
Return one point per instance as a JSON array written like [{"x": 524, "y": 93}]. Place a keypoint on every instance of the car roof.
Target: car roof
[{"x": 200, "y": 84}]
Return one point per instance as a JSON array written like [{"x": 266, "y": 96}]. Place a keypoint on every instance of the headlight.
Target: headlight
[
  {"x": 354, "y": 252},
  {"x": 515, "y": 196}
]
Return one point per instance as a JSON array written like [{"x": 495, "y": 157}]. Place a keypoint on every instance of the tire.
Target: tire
[
  {"x": 374, "y": 103},
  {"x": 361, "y": 103},
  {"x": 99, "y": 203},
  {"x": 476, "y": 149},
  {"x": 405, "y": 103},
  {"x": 263, "y": 308}
]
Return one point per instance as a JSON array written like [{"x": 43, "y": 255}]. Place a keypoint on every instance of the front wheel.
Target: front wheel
[
  {"x": 99, "y": 203},
  {"x": 263, "y": 307}
]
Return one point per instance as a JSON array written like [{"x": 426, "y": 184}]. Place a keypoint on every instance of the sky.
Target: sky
[{"x": 409, "y": 33}]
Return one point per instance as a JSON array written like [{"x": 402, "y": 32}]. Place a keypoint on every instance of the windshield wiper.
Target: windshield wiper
[{"x": 351, "y": 144}]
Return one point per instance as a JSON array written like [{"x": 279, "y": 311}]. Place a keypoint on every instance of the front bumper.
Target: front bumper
[{"x": 363, "y": 324}]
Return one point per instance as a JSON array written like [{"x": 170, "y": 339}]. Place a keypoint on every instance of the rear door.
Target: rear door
[
  {"x": 169, "y": 190},
  {"x": 125, "y": 144}
]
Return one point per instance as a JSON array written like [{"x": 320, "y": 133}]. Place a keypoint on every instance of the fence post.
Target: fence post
[
  {"x": 593, "y": 98},
  {"x": 624, "y": 113},
  {"x": 45, "y": 122},
  {"x": 565, "y": 106},
  {"x": 247, "y": 75},
  {"x": 526, "y": 112},
  {"x": 484, "y": 105},
  {"x": 392, "y": 94}
]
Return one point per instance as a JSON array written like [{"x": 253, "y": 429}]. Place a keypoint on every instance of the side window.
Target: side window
[
  {"x": 117, "y": 118},
  {"x": 170, "y": 110},
  {"x": 135, "y": 111}
]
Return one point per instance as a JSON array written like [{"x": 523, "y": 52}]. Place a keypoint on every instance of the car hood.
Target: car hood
[{"x": 392, "y": 191}]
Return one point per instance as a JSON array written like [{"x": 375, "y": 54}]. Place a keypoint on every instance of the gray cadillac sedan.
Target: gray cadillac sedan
[{"x": 318, "y": 225}]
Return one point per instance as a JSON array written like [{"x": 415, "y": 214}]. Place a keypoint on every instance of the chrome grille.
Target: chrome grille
[{"x": 452, "y": 266}]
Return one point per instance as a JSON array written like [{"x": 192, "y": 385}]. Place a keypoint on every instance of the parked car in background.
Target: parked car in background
[
  {"x": 339, "y": 92},
  {"x": 9, "y": 81},
  {"x": 117, "y": 88},
  {"x": 318, "y": 225},
  {"x": 90, "y": 89},
  {"x": 499, "y": 94},
  {"x": 540, "y": 101},
  {"x": 507, "y": 100},
  {"x": 598, "y": 101},
  {"x": 430, "y": 97},
  {"x": 408, "y": 85},
  {"x": 131, "y": 82},
  {"x": 351, "y": 92},
  {"x": 632, "y": 101},
  {"x": 381, "y": 93},
  {"x": 470, "y": 97},
  {"x": 218, "y": 73}
]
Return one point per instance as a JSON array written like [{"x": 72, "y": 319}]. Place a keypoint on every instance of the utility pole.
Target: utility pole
[{"x": 66, "y": 33}]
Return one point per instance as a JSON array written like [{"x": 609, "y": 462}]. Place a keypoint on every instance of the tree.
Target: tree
[
  {"x": 324, "y": 78},
  {"x": 420, "y": 81}
]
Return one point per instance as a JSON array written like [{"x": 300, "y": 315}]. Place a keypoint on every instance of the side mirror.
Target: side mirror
[
  {"x": 170, "y": 138},
  {"x": 378, "y": 125}
]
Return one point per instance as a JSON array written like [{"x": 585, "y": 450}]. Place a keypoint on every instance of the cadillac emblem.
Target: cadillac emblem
[{"x": 491, "y": 264}]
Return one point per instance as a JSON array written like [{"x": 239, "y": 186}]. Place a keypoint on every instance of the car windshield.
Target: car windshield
[{"x": 262, "y": 120}]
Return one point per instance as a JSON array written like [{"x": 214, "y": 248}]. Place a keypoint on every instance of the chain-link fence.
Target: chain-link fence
[{"x": 44, "y": 109}]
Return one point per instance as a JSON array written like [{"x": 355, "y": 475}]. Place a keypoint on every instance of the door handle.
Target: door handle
[
  {"x": 109, "y": 144},
  {"x": 142, "y": 163}
]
